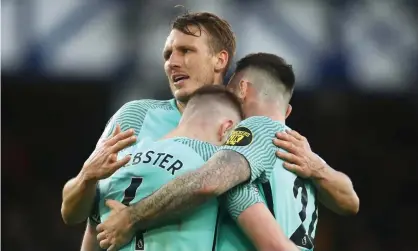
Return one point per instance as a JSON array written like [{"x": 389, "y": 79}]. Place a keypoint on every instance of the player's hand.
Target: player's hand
[
  {"x": 103, "y": 161},
  {"x": 115, "y": 232},
  {"x": 299, "y": 157}
]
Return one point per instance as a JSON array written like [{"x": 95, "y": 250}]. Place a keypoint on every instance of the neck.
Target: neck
[
  {"x": 180, "y": 106},
  {"x": 270, "y": 110}
]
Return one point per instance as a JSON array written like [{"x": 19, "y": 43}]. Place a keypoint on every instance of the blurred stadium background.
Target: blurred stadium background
[{"x": 68, "y": 65}]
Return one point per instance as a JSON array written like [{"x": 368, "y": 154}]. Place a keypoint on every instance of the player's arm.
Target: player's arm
[
  {"x": 90, "y": 242},
  {"x": 335, "y": 189},
  {"x": 224, "y": 170},
  {"x": 77, "y": 199},
  {"x": 264, "y": 232},
  {"x": 246, "y": 207},
  {"x": 78, "y": 193},
  {"x": 233, "y": 164}
]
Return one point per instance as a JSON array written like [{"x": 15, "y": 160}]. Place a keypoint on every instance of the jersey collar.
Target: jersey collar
[{"x": 174, "y": 105}]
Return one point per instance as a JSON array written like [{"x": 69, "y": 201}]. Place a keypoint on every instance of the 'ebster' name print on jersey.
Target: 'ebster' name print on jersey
[{"x": 160, "y": 160}]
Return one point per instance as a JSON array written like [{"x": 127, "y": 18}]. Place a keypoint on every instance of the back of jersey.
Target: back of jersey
[
  {"x": 292, "y": 200},
  {"x": 154, "y": 164},
  {"x": 289, "y": 198}
]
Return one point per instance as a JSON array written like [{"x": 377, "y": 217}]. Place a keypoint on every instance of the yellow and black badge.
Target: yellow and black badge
[{"x": 240, "y": 137}]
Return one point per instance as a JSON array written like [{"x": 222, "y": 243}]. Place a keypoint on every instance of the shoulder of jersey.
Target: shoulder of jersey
[
  {"x": 140, "y": 107},
  {"x": 132, "y": 114},
  {"x": 245, "y": 132},
  {"x": 204, "y": 149},
  {"x": 145, "y": 104}
]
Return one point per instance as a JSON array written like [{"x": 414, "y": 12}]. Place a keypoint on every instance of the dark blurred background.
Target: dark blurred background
[{"x": 68, "y": 65}]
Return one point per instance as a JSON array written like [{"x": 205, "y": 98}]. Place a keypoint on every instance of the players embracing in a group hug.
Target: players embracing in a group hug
[{"x": 214, "y": 168}]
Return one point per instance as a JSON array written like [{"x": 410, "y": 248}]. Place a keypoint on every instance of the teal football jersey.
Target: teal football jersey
[
  {"x": 149, "y": 118},
  {"x": 292, "y": 200},
  {"x": 155, "y": 163}
]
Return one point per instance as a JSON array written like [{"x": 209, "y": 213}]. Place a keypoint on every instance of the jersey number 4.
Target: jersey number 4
[
  {"x": 301, "y": 237},
  {"x": 129, "y": 195}
]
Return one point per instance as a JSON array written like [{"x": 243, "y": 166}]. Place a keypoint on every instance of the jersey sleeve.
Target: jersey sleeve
[
  {"x": 241, "y": 197},
  {"x": 130, "y": 115},
  {"x": 253, "y": 139}
]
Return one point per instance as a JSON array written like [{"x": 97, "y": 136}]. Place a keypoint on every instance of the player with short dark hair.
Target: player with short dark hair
[
  {"x": 265, "y": 81},
  {"x": 270, "y": 76},
  {"x": 269, "y": 71}
]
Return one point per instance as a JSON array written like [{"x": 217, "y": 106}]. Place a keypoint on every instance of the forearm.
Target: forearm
[
  {"x": 262, "y": 229},
  {"x": 336, "y": 191},
  {"x": 77, "y": 199},
  {"x": 90, "y": 242},
  {"x": 222, "y": 172},
  {"x": 168, "y": 203}
]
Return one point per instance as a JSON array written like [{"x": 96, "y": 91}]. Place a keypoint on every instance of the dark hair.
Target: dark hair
[
  {"x": 220, "y": 94},
  {"x": 220, "y": 32},
  {"x": 273, "y": 64}
]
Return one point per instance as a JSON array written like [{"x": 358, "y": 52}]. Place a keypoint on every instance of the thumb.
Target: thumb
[{"x": 114, "y": 205}]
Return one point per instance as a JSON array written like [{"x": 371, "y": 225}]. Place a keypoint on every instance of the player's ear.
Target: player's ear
[
  {"x": 225, "y": 129},
  {"x": 243, "y": 88},
  {"x": 222, "y": 59},
  {"x": 288, "y": 110}
]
